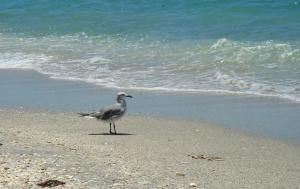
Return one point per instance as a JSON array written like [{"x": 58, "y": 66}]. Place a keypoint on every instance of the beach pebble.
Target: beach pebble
[
  {"x": 180, "y": 174},
  {"x": 193, "y": 184}
]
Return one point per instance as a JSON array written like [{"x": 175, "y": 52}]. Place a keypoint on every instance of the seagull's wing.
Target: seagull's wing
[
  {"x": 106, "y": 113},
  {"x": 112, "y": 112}
]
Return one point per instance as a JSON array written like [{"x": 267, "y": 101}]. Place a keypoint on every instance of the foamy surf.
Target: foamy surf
[{"x": 217, "y": 66}]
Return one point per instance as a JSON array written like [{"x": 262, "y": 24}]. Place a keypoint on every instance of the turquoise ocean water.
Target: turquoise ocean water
[{"x": 219, "y": 46}]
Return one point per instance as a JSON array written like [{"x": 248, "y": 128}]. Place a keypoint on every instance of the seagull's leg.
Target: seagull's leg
[
  {"x": 110, "y": 128},
  {"x": 115, "y": 128}
]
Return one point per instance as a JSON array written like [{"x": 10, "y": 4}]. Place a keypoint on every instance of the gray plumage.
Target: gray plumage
[{"x": 111, "y": 113}]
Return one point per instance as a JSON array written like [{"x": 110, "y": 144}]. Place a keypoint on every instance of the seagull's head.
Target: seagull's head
[{"x": 122, "y": 95}]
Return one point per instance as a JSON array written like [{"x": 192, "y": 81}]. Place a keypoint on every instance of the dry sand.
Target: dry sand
[{"x": 148, "y": 153}]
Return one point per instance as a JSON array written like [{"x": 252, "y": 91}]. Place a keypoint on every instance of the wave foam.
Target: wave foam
[
  {"x": 22, "y": 61},
  {"x": 222, "y": 66}
]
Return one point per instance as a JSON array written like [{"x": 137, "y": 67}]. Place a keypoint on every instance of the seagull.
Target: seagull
[{"x": 111, "y": 113}]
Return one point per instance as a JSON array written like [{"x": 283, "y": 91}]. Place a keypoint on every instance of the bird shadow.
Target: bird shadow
[{"x": 118, "y": 134}]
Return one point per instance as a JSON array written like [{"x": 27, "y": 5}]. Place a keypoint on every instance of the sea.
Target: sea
[{"x": 241, "y": 47}]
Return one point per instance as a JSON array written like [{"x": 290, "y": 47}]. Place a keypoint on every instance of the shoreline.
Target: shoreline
[
  {"x": 267, "y": 117},
  {"x": 147, "y": 153}
]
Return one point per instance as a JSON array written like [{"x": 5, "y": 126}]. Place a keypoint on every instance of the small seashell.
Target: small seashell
[
  {"x": 117, "y": 184},
  {"x": 193, "y": 184}
]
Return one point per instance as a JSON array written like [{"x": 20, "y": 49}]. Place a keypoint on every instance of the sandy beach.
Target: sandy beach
[
  {"x": 215, "y": 87},
  {"x": 147, "y": 153}
]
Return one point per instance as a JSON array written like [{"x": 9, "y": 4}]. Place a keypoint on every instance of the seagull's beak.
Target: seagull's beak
[{"x": 129, "y": 96}]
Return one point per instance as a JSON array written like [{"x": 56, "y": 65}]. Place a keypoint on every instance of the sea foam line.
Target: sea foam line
[{"x": 182, "y": 90}]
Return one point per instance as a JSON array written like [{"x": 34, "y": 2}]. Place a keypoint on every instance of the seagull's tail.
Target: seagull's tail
[
  {"x": 82, "y": 114},
  {"x": 97, "y": 115}
]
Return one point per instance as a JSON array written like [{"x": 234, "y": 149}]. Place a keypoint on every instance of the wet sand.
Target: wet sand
[
  {"x": 268, "y": 117},
  {"x": 148, "y": 152}
]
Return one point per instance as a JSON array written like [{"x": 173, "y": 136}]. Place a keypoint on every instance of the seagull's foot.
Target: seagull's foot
[{"x": 111, "y": 133}]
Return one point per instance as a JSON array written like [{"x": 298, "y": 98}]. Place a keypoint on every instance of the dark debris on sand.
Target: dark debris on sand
[
  {"x": 51, "y": 183},
  {"x": 208, "y": 158}
]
